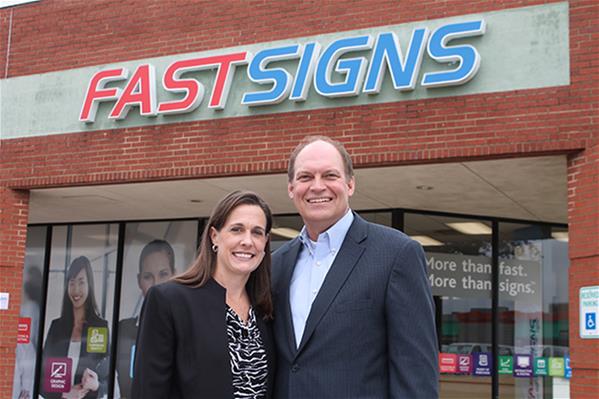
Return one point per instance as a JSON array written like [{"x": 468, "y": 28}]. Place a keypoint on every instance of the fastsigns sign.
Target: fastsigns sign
[{"x": 331, "y": 70}]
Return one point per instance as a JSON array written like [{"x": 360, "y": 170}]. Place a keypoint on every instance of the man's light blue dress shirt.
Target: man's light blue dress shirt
[{"x": 313, "y": 264}]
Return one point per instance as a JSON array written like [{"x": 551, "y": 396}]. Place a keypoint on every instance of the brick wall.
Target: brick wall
[
  {"x": 95, "y": 32},
  {"x": 14, "y": 207},
  {"x": 386, "y": 134},
  {"x": 56, "y": 35},
  {"x": 583, "y": 193},
  {"x": 583, "y": 219}
]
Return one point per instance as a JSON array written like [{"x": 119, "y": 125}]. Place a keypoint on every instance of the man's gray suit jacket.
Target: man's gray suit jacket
[{"x": 371, "y": 329}]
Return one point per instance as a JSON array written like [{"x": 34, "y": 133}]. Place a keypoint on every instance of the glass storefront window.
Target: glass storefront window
[
  {"x": 284, "y": 228},
  {"x": 533, "y": 308},
  {"x": 79, "y": 303},
  {"x": 80, "y": 300},
  {"x": 29, "y": 316},
  {"x": 383, "y": 218},
  {"x": 458, "y": 252},
  {"x": 153, "y": 253}
]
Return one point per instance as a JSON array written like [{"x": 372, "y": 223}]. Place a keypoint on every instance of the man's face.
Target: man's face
[{"x": 320, "y": 190}]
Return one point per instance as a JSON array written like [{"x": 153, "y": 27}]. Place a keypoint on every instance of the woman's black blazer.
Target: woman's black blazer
[{"x": 182, "y": 345}]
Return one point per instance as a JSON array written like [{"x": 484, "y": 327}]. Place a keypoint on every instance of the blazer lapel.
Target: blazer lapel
[
  {"x": 344, "y": 263},
  {"x": 289, "y": 260}
]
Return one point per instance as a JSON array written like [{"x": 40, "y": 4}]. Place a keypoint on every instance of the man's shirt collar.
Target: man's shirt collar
[{"x": 333, "y": 237}]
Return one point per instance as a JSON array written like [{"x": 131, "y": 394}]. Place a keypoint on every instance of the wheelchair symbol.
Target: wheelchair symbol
[{"x": 591, "y": 322}]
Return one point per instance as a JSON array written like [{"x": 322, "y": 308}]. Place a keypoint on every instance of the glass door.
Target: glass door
[{"x": 458, "y": 252}]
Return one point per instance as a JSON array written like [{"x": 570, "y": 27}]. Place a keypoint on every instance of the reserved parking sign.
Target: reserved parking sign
[{"x": 589, "y": 309}]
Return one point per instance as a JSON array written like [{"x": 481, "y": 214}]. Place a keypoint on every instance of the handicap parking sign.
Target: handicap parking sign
[
  {"x": 589, "y": 308},
  {"x": 591, "y": 321}
]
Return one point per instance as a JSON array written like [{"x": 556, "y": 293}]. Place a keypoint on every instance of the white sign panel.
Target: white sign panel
[
  {"x": 470, "y": 277},
  {"x": 489, "y": 52},
  {"x": 589, "y": 312},
  {"x": 4, "y": 300}
]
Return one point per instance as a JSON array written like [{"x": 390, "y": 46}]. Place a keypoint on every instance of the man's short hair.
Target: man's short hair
[{"x": 347, "y": 162}]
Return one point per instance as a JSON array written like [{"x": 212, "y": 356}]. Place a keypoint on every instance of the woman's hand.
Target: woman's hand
[{"x": 89, "y": 380}]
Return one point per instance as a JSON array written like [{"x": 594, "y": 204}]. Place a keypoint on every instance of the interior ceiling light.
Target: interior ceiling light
[
  {"x": 560, "y": 235},
  {"x": 424, "y": 187},
  {"x": 471, "y": 228},
  {"x": 427, "y": 241},
  {"x": 196, "y": 201},
  {"x": 286, "y": 232}
]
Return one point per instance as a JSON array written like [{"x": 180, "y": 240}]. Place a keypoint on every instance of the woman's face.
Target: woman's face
[
  {"x": 241, "y": 241},
  {"x": 155, "y": 269},
  {"x": 78, "y": 289}
]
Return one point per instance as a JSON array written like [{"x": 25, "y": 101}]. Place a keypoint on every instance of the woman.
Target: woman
[
  {"x": 204, "y": 334},
  {"x": 80, "y": 335},
  {"x": 156, "y": 265}
]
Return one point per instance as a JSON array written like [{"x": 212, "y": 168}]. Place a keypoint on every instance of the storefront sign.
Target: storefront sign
[
  {"x": 567, "y": 367},
  {"x": 448, "y": 363},
  {"x": 97, "y": 339},
  {"x": 523, "y": 366},
  {"x": 24, "y": 330},
  {"x": 470, "y": 276},
  {"x": 465, "y": 364},
  {"x": 556, "y": 366},
  {"x": 487, "y": 52},
  {"x": 57, "y": 372},
  {"x": 483, "y": 364},
  {"x": 336, "y": 70},
  {"x": 589, "y": 312},
  {"x": 541, "y": 366},
  {"x": 506, "y": 365}
]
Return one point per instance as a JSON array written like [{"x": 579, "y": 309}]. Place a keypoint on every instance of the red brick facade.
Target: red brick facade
[
  {"x": 55, "y": 35},
  {"x": 13, "y": 219}
]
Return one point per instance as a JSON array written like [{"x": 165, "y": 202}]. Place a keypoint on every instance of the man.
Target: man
[{"x": 354, "y": 315}]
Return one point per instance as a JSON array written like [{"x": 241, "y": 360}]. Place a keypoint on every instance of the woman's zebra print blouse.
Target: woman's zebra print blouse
[{"x": 248, "y": 356}]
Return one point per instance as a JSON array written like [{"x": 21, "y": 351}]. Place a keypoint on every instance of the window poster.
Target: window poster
[
  {"x": 76, "y": 349},
  {"x": 29, "y": 317},
  {"x": 154, "y": 252}
]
